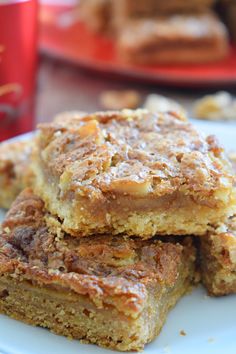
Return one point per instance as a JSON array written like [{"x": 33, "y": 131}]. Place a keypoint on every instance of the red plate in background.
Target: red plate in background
[{"x": 64, "y": 37}]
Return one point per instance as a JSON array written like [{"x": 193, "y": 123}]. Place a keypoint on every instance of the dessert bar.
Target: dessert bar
[
  {"x": 108, "y": 290},
  {"x": 173, "y": 40},
  {"x": 132, "y": 172}
]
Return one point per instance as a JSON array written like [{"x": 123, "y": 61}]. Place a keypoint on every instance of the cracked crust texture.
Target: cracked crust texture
[
  {"x": 132, "y": 172},
  {"x": 174, "y": 39},
  {"x": 14, "y": 172},
  {"x": 127, "y": 278}
]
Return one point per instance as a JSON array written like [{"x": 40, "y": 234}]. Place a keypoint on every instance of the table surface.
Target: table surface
[{"x": 63, "y": 87}]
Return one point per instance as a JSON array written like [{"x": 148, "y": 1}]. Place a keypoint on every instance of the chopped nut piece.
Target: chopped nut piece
[
  {"x": 120, "y": 99},
  {"x": 220, "y": 106},
  {"x": 158, "y": 103},
  {"x": 182, "y": 333}
]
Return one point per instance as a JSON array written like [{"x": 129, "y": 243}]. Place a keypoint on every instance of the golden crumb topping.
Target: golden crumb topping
[
  {"x": 131, "y": 153},
  {"x": 33, "y": 245}
]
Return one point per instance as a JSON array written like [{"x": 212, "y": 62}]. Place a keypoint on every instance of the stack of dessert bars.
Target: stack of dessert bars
[
  {"x": 104, "y": 243},
  {"x": 157, "y": 31}
]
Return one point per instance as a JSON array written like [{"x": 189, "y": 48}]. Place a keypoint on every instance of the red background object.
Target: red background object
[
  {"x": 75, "y": 44},
  {"x": 18, "y": 40}
]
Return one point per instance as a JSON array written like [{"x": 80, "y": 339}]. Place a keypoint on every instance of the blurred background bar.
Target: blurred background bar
[{"x": 68, "y": 85}]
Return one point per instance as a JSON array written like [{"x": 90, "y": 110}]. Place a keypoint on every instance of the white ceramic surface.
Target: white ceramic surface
[{"x": 209, "y": 323}]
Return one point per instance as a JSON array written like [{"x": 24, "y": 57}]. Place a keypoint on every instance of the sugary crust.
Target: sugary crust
[
  {"x": 14, "y": 161},
  {"x": 131, "y": 152},
  {"x": 108, "y": 270},
  {"x": 193, "y": 38}
]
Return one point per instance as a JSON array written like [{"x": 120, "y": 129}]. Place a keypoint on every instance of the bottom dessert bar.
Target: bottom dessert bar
[
  {"x": 218, "y": 260},
  {"x": 112, "y": 291}
]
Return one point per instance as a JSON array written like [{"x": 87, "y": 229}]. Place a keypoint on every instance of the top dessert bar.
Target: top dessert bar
[{"x": 132, "y": 172}]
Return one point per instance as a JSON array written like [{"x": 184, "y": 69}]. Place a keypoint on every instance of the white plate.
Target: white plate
[{"x": 209, "y": 323}]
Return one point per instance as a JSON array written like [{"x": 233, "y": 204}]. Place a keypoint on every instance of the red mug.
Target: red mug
[{"x": 18, "y": 59}]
